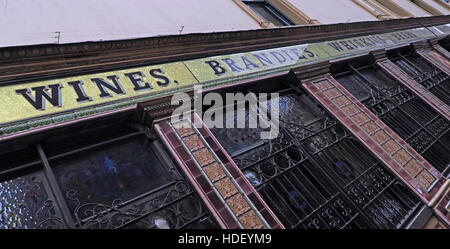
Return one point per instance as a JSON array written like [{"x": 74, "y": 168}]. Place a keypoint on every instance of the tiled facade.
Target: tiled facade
[
  {"x": 415, "y": 87},
  {"x": 379, "y": 138},
  {"x": 224, "y": 191},
  {"x": 219, "y": 181},
  {"x": 442, "y": 51},
  {"x": 436, "y": 59}
]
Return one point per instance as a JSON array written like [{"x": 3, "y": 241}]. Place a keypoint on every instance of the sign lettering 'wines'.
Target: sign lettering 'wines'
[{"x": 37, "y": 96}]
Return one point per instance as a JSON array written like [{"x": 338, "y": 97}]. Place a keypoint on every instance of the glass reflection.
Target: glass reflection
[
  {"x": 114, "y": 173},
  {"x": 25, "y": 203}
]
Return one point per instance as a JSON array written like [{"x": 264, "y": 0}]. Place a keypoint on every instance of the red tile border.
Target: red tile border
[
  {"x": 238, "y": 204},
  {"x": 241, "y": 180},
  {"x": 393, "y": 70},
  {"x": 379, "y": 138},
  {"x": 442, "y": 51},
  {"x": 250, "y": 221},
  {"x": 442, "y": 208},
  {"x": 218, "y": 189},
  {"x": 436, "y": 59},
  {"x": 208, "y": 198}
]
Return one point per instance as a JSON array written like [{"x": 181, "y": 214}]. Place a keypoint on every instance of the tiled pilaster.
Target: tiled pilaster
[
  {"x": 423, "y": 93},
  {"x": 441, "y": 50},
  {"x": 217, "y": 179},
  {"x": 442, "y": 208},
  {"x": 436, "y": 59},
  {"x": 384, "y": 143}
]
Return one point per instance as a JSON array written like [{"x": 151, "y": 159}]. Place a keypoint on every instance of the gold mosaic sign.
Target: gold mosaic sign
[
  {"x": 245, "y": 63},
  {"x": 27, "y": 101},
  {"x": 40, "y": 98},
  {"x": 366, "y": 43}
]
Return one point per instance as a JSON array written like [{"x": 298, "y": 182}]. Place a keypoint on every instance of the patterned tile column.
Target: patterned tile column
[
  {"x": 442, "y": 207},
  {"x": 423, "y": 93},
  {"x": 223, "y": 187},
  {"x": 384, "y": 143},
  {"x": 436, "y": 59},
  {"x": 441, "y": 50}
]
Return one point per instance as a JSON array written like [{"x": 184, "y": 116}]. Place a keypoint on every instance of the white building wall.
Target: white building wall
[
  {"x": 333, "y": 11},
  {"x": 26, "y": 22},
  {"x": 412, "y": 8}
]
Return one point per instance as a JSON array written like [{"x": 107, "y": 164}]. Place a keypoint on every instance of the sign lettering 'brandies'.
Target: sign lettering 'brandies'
[{"x": 260, "y": 60}]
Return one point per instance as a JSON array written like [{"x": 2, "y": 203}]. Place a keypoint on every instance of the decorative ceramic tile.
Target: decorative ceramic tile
[
  {"x": 226, "y": 187},
  {"x": 370, "y": 127},
  {"x": 380, "y": 137},
  {"x": 193, "y": 142},
  {"x": 413, "y": 168},
  {"x": 341, "y": 101},
  {"x": 323, "y": 85},
  {"x": 332, "y": 93},
  {"x": 360, "y": 118},
  {"x": 350, "y": 110},
  {"x": 183, "y": 129},
  {"x": 214, "y": 172},
  {"x": 238, "y": 204},
  {"x": 426, "y": 174},
  {"x": 391, "y": 147},
  {"x": 402, "y": 157},
  {"x": 250, "y": 220},
  {"x": 204, "y": 157},
  {"x": 425, "y": 178},
  {"x": 209, "y": 174}
]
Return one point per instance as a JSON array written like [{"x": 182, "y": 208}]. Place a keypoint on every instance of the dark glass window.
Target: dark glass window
[
  {"x": 84, "y": 176},
  {"x": 26, "y": 202},
  {"x": 267, "y": 12},
  {"x": 119, "y": 171},
  {"x": 351, "y": 83},
  {"x": 315, "y": 174},
  {"x": 405, "y": 113}
]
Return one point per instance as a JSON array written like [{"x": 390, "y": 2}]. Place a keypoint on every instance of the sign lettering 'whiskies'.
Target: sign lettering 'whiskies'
[
  {"x": 367, "y": 42},
  {"x": 37, "y": 96}
]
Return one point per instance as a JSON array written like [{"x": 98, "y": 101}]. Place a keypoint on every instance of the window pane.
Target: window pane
[
  {"x": 237, "y": 140},
  {"x": 379, "y": 79},
  {"x": 407, "y": 68},
  {"x": 110, "y": 174},
  {"x": 264, "y": 13},
  {"x": 352, "y": 85},
  {"x": 25, "y": 203}
]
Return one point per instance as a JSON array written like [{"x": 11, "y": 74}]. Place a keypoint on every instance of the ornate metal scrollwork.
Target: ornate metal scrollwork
[
  {"x": 164, "y": 207},
  {"x": 26, "y": 203}
]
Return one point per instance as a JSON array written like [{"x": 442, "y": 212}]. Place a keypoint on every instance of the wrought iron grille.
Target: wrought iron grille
[
  {"x": 315, "y": 174},
  {"x": 405, "y": 113},
  {"x": 425, "y": 73},
  {"x": 104, "y": 175}
]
